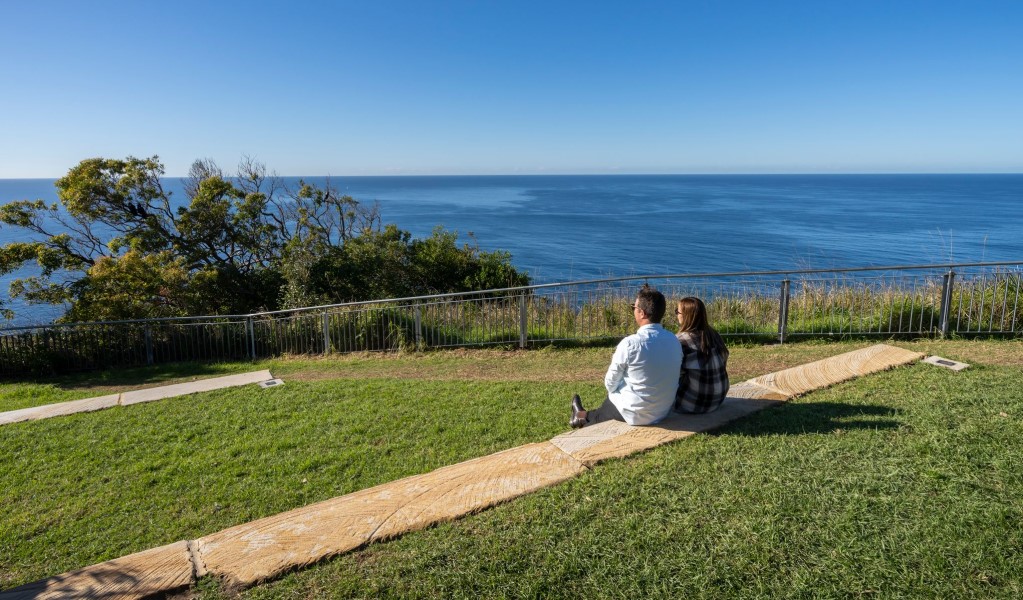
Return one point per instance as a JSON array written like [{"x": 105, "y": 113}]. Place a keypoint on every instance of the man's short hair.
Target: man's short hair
[{"x": 651, "y": 302}]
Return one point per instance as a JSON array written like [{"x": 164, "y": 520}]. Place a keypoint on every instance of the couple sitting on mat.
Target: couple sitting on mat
[{"x": 653, "y": 371}]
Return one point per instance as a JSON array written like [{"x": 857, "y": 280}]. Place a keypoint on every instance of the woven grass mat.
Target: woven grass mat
[
  {"x": 795, "y": 381},
  {"x": 265, "y": 548}
]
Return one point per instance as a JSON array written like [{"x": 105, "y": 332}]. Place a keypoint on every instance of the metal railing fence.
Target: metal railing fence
[{"x": 915, "y": 300}]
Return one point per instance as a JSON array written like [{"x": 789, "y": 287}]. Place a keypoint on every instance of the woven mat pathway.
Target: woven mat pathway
[
  {"x": 133, "y": 397},
  {"x": 263, "y": 549}
]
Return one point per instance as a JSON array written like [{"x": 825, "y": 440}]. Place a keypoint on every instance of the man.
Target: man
[{"x": 643, "y": 377}]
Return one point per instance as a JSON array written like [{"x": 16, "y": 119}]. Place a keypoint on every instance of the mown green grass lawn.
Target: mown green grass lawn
[{"x": 901, "y": 484}]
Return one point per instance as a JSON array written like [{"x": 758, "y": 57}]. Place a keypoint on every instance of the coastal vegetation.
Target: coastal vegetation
[
  {"x": 119, "y": 246},
  {"x": 898, "y": 484},
  {"x": 818, "y": 308}
]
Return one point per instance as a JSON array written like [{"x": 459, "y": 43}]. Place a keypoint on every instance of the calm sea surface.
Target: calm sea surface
[{"x": 561, "y": 228}]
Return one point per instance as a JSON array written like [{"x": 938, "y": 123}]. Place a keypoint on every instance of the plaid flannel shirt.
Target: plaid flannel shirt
[{"x": 703, "y": 380}]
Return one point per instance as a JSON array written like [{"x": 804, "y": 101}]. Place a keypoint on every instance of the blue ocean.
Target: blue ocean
[{"x": 573, "y": 227}]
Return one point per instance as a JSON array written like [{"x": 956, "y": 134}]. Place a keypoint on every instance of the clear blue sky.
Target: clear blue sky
[{"x": 435, "y": 87}]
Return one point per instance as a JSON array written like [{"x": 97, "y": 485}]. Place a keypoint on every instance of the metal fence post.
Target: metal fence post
[
  {"x": 149, "y": 345},
  {"x": 523, "y": 321},
  {"x": 251, "y": 335},
  {"x": 326, "y": 333},
  {"x": 947, "y": 288},
  {"x": 783, "y": 311},
  {"x": 419, "y": 326}
]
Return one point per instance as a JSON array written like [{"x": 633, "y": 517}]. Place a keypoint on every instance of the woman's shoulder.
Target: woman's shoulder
[{"x": 689, "y": 339}]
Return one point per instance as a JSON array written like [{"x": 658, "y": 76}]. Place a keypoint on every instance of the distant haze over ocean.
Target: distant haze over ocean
[{"x": 571, "y": 227}]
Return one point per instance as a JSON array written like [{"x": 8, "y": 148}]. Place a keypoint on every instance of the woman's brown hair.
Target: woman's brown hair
[{"x": 692, "y": 317}]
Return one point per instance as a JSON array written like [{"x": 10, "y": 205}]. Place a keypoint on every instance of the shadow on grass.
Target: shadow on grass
[{"x": 813, "y": 417}]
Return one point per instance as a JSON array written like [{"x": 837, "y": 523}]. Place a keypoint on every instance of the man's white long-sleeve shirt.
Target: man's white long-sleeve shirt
[{"x": 643, "y": 376}]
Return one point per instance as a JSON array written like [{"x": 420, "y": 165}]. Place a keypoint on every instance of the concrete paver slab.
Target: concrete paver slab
[
  {"x": 154, "y": 571},
  {"x": 132, "y": 397},
  {"x": 191, "y": 387},
  {"x": 946, "y": 363},
  {"x": 59, "y": 409}
]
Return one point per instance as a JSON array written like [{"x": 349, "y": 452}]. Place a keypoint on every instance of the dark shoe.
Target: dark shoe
[
  {"x": 577, "y": 403},
  {"x": 577, "y": 421}
]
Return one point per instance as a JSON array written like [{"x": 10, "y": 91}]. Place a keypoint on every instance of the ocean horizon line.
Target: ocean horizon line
[{"x": 616, "y": 174}]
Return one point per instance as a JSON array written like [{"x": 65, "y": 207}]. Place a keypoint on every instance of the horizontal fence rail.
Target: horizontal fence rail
[{"x": 917, "y": 300}]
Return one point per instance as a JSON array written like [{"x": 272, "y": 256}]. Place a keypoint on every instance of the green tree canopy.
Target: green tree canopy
[{"x": 117, "y": 247}]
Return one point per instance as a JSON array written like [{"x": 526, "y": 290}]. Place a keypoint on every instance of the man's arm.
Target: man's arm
[{"x": 619, "y": 365}]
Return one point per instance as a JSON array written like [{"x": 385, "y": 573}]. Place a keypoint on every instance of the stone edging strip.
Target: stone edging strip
[
  {"x": 265, "y": 548},
  {"x": 133, "y": 397}
]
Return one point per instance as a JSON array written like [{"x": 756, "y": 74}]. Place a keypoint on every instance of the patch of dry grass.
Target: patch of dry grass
[
  {"x": 996, "y": 353},
  {"x": 461, "y": 364},
  {"x": 498, "y": 364},
  {"x": 589, "y": 364}
]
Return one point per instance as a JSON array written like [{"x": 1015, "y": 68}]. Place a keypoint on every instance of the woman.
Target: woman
[{"x": 703, "y": 381}]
